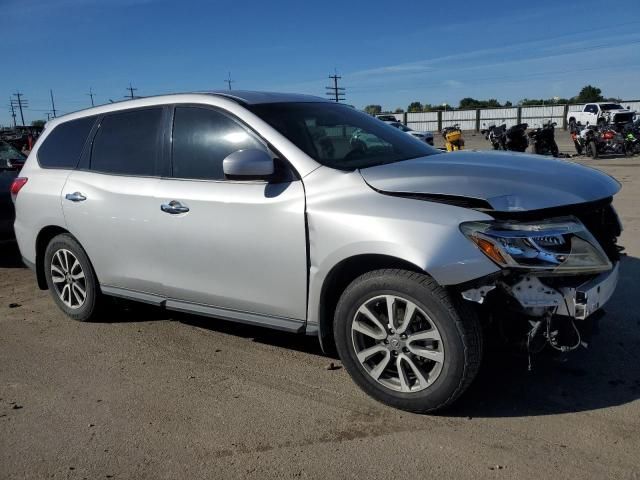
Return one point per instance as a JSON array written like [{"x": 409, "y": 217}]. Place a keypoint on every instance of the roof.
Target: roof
[
  {"x": 254, "y": 97},
  {"x": 244, "y": 97}
]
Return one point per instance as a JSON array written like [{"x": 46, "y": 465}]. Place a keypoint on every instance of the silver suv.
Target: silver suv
[{"x": 259, "y": 208}]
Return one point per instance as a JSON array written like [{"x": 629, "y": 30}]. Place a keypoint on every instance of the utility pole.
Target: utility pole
[
  {"x": 13, "y": 112},
  {"x": 228, "y": 81},
  {"x": 131, "y": 90},
  {"x": 335, "y": 92},
  {"x": 21, "y": 103},
  {"x": 91, "y": 96},
  {"x": 53, "y": 105}
]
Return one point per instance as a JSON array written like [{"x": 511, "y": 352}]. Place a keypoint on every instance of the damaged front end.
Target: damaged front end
[{"x": 558, "y": 267}]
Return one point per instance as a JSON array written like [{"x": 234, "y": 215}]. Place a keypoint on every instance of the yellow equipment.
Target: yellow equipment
[{"x": 453, "y": 138}]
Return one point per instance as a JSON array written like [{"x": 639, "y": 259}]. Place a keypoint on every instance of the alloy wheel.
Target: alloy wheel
[
  {"x": 397, "y": 343},
  {"x": 68, "y": 278}
]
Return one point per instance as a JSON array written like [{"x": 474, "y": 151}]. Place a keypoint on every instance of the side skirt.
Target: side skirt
[{"x": 285, "y": 324}]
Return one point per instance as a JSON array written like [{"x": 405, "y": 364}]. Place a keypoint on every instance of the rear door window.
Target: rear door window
[
  {"x": 63, "y": 146},
  {"x": 129, "y": 143},
  {"x": 202, "y": 138}
]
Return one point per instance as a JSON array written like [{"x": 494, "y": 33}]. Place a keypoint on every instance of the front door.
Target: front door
[{"x": 235, "y": 245}]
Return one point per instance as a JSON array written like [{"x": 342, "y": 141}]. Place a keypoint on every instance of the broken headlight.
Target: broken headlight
[{"x": 561, "y": 245}]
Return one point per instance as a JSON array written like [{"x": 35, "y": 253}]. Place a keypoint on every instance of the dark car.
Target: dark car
[{"x": 11, "y": 161}]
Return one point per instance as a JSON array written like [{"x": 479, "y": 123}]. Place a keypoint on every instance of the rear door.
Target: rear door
[
  {"x": 109, "y": 202},
  {"x": 238, "y": 245}
]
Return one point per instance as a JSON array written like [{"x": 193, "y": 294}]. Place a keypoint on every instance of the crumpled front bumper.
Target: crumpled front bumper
[
  {"x": 580, "y": 302},
  {"x": 537, "y": 297}
]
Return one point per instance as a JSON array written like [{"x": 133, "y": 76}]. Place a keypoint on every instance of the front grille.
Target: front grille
[{"x": 623, "y": 117}]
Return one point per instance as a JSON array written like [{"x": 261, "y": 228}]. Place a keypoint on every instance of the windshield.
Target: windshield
[
  {"x": 339, "y": 136},
  {"x": 610, "y": 106}
]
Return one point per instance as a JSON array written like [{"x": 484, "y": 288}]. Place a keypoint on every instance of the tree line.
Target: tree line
[{"x": 588, "y": 94}]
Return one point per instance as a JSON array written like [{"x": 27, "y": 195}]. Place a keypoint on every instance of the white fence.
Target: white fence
[{"x": 477, "y": 119}]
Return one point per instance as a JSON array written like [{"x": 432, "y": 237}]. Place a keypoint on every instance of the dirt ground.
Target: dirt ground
[{"x": 151, "y": 395}]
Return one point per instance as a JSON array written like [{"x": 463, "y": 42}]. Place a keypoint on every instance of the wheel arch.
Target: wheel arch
[
  {"x": 337, "y": 280},
  {"x": 42, "y": 240}
]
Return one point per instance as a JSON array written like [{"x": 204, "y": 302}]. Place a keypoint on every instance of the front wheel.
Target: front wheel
[
  {"x": 71, "y": 279},
  {"x": 405, "y": 342},
  {"x": 592, "y": 149},
  {"x": 578, "y": 146}
]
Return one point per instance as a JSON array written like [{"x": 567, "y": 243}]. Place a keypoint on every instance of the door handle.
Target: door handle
[
  {"x": 174, "y": 207},
  {"x": 75, "y": 197}
]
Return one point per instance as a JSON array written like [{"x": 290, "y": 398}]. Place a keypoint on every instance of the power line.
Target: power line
[
  {"x": 91, "y": 96},
  {"x": 228, "y": 81},
  {"x": 20, "y": 103},
  {"x": 131, "y": 90},
  {"x": 336, "y": 92},
  {"x": 13, "y": 112},
  {"x": 53, "y": 105}
]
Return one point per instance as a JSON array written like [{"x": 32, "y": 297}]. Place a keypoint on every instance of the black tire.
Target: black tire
[
  {"x": 578, "y": 147},
  {"x": 458, "y": 325},
  {"x": 592, "y": 149},
  {"x": 628, "y": 150},
  {"x": 555, "y": 151},
  {"x": 91, "y": 306}
]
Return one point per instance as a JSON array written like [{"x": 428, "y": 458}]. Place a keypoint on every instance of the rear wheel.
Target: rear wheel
[
  {"x": 404, "y": 342},
  {"x": 71, "y": 279}
]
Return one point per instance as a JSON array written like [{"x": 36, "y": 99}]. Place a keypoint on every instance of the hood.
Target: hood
[{"x": 500, "y": 181}]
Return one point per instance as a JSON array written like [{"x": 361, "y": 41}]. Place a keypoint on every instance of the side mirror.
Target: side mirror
[{"x": 250, "y": 163}]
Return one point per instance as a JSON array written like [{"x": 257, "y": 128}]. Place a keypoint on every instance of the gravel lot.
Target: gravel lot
[{"x": 148, "y": 394}]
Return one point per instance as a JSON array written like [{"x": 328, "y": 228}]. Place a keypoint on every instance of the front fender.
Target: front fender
[{"x": 353, "y": 219}]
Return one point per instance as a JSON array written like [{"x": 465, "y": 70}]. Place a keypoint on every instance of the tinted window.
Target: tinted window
[
  {"x": 340, "y": 136},
  {"x": 63, "y": 146},
  {"x": 128, "y": 143},
  {"x": 202, "y": 138}
]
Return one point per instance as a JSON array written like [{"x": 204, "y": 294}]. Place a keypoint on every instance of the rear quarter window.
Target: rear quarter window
[{"x": 63, "y": 146}]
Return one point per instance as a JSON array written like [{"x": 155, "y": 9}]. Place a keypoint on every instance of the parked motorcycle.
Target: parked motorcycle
[
  {"x": 602, "y": 141},
  {"x": 496, "y": 135},
  {"x": 631, "y": 135},
  {"x": 516, "y": 138},
  {"x": 543, "y": 140},
  {"x": 574, "y": 130},
  {"x": 453, "y": 138}
]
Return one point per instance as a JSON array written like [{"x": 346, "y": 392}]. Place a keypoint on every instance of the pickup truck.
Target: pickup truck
[{"x": 601, "y": 113}]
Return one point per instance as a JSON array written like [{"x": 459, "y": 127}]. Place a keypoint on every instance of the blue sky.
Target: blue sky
[{"x": 389, "y": 53}]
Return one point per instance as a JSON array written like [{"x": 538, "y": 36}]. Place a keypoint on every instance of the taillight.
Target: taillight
[
  {"x": 16, "y": 186},
  {"x": 608, "y": 135}
]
